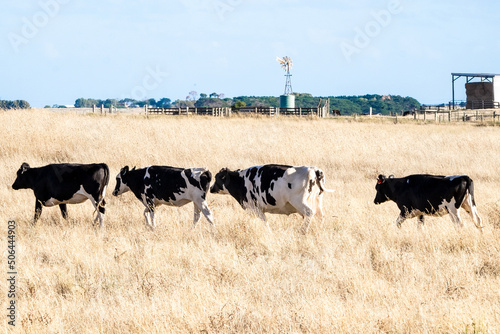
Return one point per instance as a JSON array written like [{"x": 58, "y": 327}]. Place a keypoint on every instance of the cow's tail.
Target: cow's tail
[
  {"x": 320, "y": 180},
  {"x": 102, "y": 189},
  {"x": 472, "y": 204}
]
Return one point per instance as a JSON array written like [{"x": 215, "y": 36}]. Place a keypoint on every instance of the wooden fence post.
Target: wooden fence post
[{"x": 102, "y": 109}]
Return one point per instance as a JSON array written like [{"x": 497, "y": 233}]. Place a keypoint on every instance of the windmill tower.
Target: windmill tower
[
  {"x": 286, "y": 65},
  {"x": 287, "y": 100}
]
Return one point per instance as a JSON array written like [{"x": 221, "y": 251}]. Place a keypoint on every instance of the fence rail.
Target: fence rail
[
  {"x": 463, "y": 115},
  {"x": 426, "y": 114},
  {"x": 227, "y": 112},
  {"x": 190, "y": 111},
  {"x": 483, "y": 104}
]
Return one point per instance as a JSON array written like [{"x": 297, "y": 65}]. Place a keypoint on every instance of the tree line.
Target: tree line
[
  {"x": 16, "y": 104},
  {"x": 360, "y": 104},
  {"x": 124, "y": 103}
]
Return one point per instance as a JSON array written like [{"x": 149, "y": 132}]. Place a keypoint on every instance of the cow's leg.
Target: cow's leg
[
  {"x": 146, "y": 216},
  {"x": 99, "y": 207},
  {"x": 197, "y": 215},
  {"x": 149, "y": 214},
  {"x": 153, "y": 218},
  {"x": 64, "y": 211},
  {"x": 306, "y": 211},
  {"x": 38, "y": 210},
  {"x": 454, "y": 215},
  {"x": 150, "y": 210},
  {"x": 100, "y": 214},
  {"x": 308, "y": 214},
  {"x": 471, "y": 209},
  {"x": 319, "y": 207},
  {"x": 262, "y": 216},
  {"x": 203, "y": 207},
  {"x": 401, "y": 218}
]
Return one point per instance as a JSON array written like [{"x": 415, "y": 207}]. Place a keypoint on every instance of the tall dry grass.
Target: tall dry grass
[{"x": 353, "y": 273}]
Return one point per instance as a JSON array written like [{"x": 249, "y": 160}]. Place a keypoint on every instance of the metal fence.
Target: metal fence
[{"x": 463, "y": 115}]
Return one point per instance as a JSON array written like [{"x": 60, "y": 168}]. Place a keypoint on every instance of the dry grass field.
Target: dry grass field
[{"x": 355, "y": 272}]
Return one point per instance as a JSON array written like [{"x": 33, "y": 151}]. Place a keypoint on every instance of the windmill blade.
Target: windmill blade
[{"x": 288, "y": 61}]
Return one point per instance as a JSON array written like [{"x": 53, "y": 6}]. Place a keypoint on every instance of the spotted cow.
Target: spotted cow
[
  {"x": 278, "y": 189},
  {"x": 156, "y": 185}
]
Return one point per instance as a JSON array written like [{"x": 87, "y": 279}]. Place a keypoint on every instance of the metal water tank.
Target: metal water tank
[{"x": 287, "y": 101}]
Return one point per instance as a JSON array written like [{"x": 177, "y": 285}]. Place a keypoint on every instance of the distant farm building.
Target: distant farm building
[{"x": 483, "y": 94}]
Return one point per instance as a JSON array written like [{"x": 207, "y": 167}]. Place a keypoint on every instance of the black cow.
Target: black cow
[
  {"x": 423, "y": 194},
  {"x": 172, "y": 186},
  {"x": 275, "y": 189},
  {"x": 61, "y": 184}
]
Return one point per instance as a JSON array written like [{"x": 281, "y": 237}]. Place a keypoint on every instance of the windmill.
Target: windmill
[{"x": 286, "y": 65}]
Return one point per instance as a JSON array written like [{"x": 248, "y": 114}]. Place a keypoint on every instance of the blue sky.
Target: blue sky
[{"x": 55, "y": 51}]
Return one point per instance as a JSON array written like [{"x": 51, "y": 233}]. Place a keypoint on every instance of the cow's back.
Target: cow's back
[{"x": 62, "y": 180}]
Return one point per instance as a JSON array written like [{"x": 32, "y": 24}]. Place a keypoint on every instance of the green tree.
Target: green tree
[
  {"x": 240, "y": 104},
  {"x": 164, "y": 103},
  {"x": 110, "y": 102}
]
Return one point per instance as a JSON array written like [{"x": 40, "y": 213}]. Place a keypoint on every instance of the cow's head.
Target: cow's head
[
  {"x": 121, "y": 181},
  {"x": 382, "y": 190},
  {"x": 221, "y": 182},
  {"x": 22, "y": 180}
]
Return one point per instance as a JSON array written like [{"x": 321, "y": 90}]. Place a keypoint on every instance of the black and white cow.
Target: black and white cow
[
  {"x": 276, "y": 189},
  {"x": 61, "y": 184},
  {"x": 423, "y": 194},
  {"x": 156, "y": 185}
]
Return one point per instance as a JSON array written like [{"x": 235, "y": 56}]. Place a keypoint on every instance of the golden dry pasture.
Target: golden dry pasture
[{"x": 355, "y": 272}]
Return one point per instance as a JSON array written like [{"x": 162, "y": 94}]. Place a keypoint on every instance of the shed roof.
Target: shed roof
[{"x": 475, "y": 75}]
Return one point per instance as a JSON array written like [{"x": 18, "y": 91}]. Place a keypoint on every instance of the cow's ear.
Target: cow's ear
[
  {"x": 24, "y": 167},
  {"x": 223, "y": 173},
  {"x": 133, "y": 168},
  {"x": 391, "y": 176},
  {"x": 381, "y": 179},
  {"x": 124, "y": 170}
]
